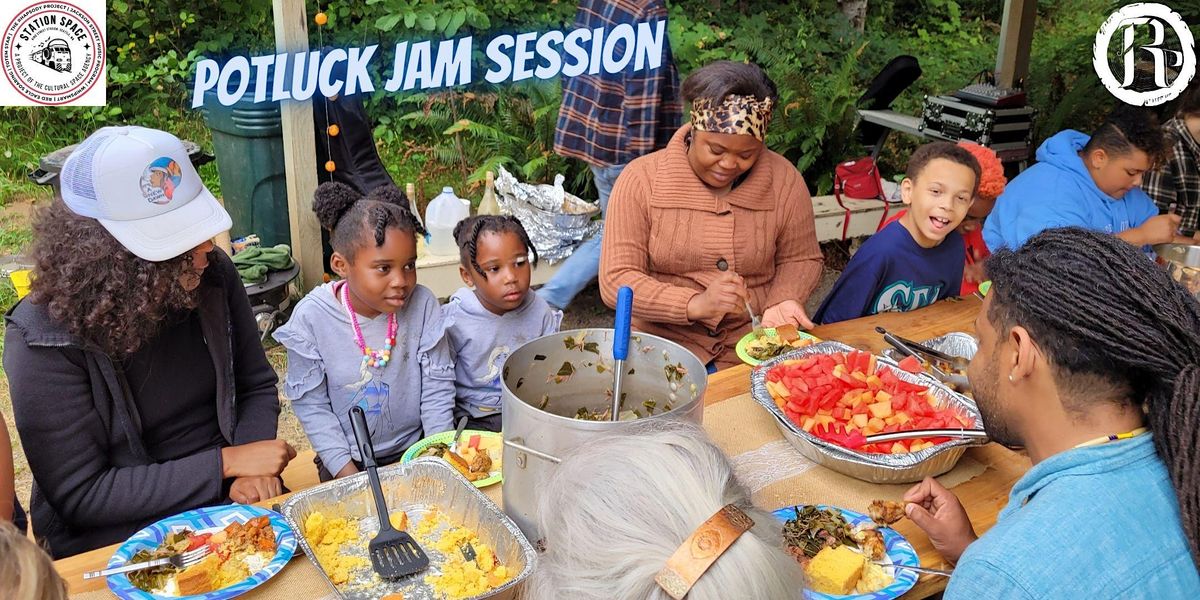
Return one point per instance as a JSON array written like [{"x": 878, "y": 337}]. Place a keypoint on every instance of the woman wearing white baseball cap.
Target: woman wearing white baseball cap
[{"x": 139, "y": 385}]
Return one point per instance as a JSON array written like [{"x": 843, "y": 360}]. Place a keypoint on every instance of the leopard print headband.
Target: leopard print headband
[{"x": 738, "y": 115}]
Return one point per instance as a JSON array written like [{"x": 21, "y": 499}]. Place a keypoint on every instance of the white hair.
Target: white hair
[{"x": 617, "y": 508}]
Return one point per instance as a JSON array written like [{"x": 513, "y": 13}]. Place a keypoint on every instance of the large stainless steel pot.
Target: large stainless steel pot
[
  {"x": 541, "y": 400},
  {"x": 1183, "y": 263}
]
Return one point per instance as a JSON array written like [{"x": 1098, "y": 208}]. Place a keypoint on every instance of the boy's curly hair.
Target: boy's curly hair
[{"x": 101, "y": 292}]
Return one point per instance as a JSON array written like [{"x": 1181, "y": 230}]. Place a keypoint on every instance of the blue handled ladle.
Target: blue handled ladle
[{"x": 621, "y": 346}]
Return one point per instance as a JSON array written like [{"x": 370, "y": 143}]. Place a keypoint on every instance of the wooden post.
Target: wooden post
[
  {"x": 299, "y": 151},
  {"x": 1016, "y": 41}
]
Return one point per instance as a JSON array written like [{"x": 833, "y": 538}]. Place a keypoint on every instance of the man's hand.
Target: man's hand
[
  {"x": 248, "y": 490},
  {"x": 938, "y": 511},
  {"x": 256, "y": 459},
  {"x": 788, "y": 311},
  {"x": 726, "y": 295}
]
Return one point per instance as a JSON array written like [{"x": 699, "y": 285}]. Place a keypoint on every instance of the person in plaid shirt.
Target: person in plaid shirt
[
  {"x": 1177, "y": 181},
  {"x": 607, "y": 120}
]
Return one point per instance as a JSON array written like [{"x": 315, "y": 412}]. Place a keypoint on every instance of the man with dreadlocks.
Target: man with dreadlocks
[{"x": 1089, "y": 357}]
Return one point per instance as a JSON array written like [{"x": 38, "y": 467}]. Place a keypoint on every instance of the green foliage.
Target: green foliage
[{"x": 451, "y": 137}]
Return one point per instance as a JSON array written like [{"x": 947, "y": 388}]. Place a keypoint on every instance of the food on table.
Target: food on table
[
  {"x": 815, "y": 528},
  {"x": 327, "y": 537},
  {"x": 474, "y": 460},
  {"x": 885, "y": 512},
  {"x": 834, "y": 570},
  {"x": 870, "y": 541},
  {"x": 846, "y": 396},
  {"x": 785, "y": 339},
  {"x": 237, "y": 551},
  {"x": 912, "y": 365},
  {"x": 836, "y": 557},
  {"x": 340, "y": 547}
]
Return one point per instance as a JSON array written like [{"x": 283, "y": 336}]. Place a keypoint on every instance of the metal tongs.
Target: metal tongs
[{"x": 920, "y": 352}]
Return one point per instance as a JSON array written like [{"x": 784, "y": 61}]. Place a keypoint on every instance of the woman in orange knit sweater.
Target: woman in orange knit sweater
[{"x": 712, "y": 221}]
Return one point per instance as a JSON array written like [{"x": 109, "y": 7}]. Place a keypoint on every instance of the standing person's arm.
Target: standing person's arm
[
  {"x": 798, "y": 257},
  {"x": 1159, "y": 184},
  {"x": 437, "y": 369},
  {"x": 7, "y": 483}
]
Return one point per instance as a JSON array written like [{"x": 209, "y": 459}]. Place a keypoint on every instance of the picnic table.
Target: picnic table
[{"x": 775, "y": 472}]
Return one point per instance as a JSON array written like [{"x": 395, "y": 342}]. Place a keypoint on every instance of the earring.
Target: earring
[{"x": 1010, "y": 378}]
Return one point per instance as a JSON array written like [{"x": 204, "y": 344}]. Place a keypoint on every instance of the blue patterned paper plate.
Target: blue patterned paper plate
[
  {"x": 899, "y": 552},
  {"x": 203, "y": 520}
]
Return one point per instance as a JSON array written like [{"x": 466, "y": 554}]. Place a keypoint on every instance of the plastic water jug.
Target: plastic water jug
[{"x": 443, "y": 213}]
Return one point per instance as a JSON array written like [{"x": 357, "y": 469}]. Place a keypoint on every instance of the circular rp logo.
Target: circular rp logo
[
  {"x": 1152, "y": 59},
  {"x": 52, "y": 52}
]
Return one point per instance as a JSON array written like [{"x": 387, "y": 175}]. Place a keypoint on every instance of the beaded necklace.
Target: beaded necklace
[
  {"x": 371, "y": 358},
  {"x": 1112, "y": 438}
]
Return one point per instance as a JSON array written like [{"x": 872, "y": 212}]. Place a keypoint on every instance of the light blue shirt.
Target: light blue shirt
[
  {"x": 1060, "y": 192},
  {"x": 481, "y": 341},
  {"x": 1096, "y": 522}
]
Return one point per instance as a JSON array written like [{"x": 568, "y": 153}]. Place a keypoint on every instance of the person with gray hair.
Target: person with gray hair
[{"x": 616, "y": 511}]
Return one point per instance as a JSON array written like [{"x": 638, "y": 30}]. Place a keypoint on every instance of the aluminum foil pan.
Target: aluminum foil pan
[
  {"x": 555, "y": 220},
  {"x": 872, "y": 467},
  {"x": 954, "y": 343},
  {"x": 416, "y": 488}
]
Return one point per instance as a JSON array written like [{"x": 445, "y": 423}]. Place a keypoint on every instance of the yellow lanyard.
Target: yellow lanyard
[{"x": 1112, "y": 438}]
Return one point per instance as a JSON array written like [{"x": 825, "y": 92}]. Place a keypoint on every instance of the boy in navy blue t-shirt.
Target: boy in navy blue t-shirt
[{"x": 917, "y": 260}]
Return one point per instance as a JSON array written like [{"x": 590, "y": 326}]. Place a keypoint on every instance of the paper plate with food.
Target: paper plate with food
[
  {"x": 241, "y": 547},
  {"x": 846, "y": 554},
  {"x": 754, "y": 349},
  {"x": 478, "y": 456}
]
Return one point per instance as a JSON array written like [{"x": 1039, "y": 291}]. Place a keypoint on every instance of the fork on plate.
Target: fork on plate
[{"x": 179, "y": 561}]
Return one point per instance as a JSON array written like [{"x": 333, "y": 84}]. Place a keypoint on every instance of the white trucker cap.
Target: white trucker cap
[{"x": 140, "y": 184}]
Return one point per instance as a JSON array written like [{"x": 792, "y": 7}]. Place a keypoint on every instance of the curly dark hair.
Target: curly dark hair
[
  {"x": 101, "y": 292},
  {"x": 1128, "y": 128},
  {"x": 352, "y": 220},
  {"x": 468, "y": 230}
]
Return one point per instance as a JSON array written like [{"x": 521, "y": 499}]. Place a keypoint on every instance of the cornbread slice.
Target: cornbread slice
[
  {"x": 200, "y": 577},
  {"x": 834, "y": 570}
]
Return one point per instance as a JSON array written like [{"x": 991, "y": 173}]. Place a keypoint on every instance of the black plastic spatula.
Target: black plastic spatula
[{"x": 393, "y": 553}]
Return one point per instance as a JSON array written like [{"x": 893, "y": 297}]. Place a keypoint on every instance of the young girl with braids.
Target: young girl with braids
[
  {"x": 1089, "y": 357},
  {"x": 494, "y": 315},
  {"x": 374, "y": 339}
]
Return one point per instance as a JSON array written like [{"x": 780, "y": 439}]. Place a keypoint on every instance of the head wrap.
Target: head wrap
[{"x": 737, "y": 115}]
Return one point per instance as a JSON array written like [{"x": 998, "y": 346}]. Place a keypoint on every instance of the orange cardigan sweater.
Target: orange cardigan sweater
[{"x": 665, "y": 232}]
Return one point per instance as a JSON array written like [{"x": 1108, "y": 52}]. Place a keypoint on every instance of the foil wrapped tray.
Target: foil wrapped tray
[
  {"x": 867, "y": 466},
  {"x": 555, "y": 220},
  {"x": 417, "y": 487},
  {"x": 954, "y": 343}
]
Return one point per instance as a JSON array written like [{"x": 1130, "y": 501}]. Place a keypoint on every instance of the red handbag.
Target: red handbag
[{"x": 859, "y": 179}]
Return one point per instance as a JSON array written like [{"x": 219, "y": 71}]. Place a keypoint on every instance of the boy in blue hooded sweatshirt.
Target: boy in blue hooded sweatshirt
[
  {"x": 1091, "y": 182},
  {"x": 494, "y": 315}
]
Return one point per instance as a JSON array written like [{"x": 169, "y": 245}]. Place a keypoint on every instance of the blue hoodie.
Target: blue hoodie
[{"x": 1057, "y": 192}]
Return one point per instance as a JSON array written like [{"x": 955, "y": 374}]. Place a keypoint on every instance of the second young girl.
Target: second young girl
[
  {"x": 374, "y": 339},
  {"x": 494, "y": 315}
]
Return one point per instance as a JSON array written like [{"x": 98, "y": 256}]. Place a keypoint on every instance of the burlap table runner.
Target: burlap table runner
[{"x": 775, "y": 473}]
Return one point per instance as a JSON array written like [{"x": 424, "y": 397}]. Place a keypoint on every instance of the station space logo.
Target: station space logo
[{"x": 52, "y": 53}]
